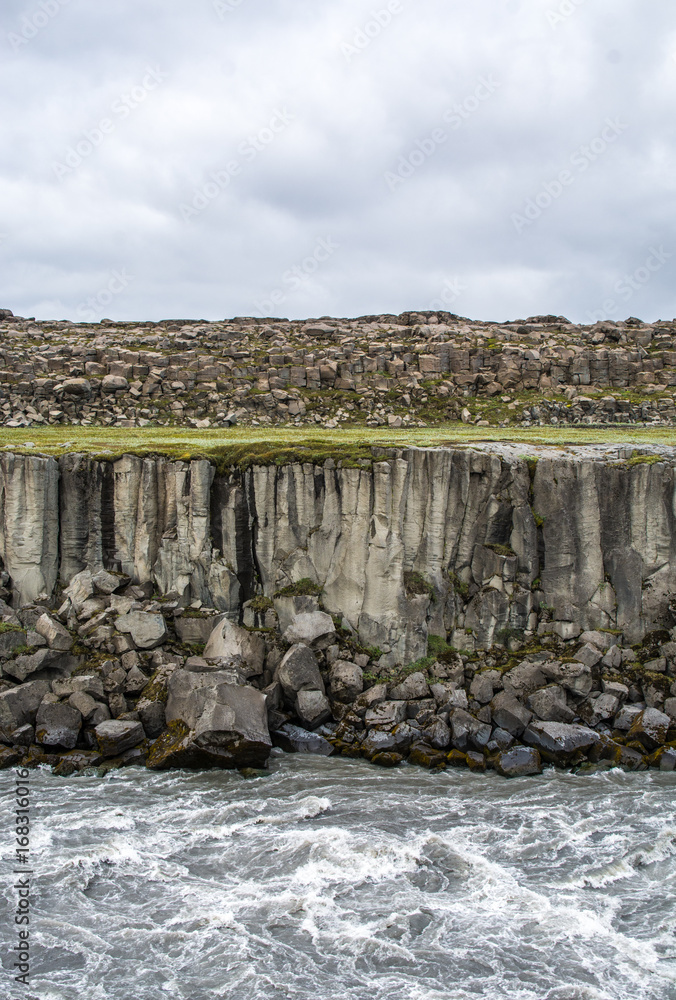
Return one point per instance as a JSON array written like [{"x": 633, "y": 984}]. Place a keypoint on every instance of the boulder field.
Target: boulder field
[{"x": 469, "y": 607}]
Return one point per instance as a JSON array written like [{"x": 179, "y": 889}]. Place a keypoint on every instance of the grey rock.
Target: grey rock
[
  {"x": 115, "y": 736},
  {"x": 80, "y": 588},
  {"x": 588, "y": 654},
  {"x": 468, "y": 732},
  {"x": 518, "y": 762},
  {"x": 574, "y": 677},
  {"x": 19, "y": 705},
  {"x": 549, "y": 704},
  {"x": 288, "y": 607},
  {"x": 613, "y": 658},
  {"x": 509, "y": 714},
  {"x": 9, "y": 641},
  {"x": 620, "y": 691},
  {"x": 481, "y": 688},
  {"x": 114, "y": 383},
  {"x": 107, "y": 583},
  {"x": 23, "y": 736},
  {"x": 657, "y": 666},
  {"x": 57, "y": 725},
  {"x": 152, "y": 716},
  {"x": 24, "y": 667},
  {"x": 650, "y": 728},
  {"x": 223, "y": 724},
  {"x": 373, "y": 696},
  {"x": 135, "y": 682},
  {"x": 312, "y": 708},
  {"x": 598, "y": 708},
  {"x": 56, "y": 635},
  {"x": 84, "y": 703},
  {"x": 232, "y": 644},
  {"x": 670, "y": 708},
  {"x": 147, "y": 630},
  {"x": 668, "y": 760},
  {"x": 437, "y": 734},
  {"x": 414, "y": 686},
  {"x": 626, "y": 717},
  {"x": 346, "y": 680},
  {"x": 87, "y": 683},
  {"x": 525, "y": 678},
  {"x": 195, "y": 630},
  {"x": 559, "y": 739},
  {"x": 299, "y": 671},
  {"x": 313, "y": 628},
  {"x": 100, "y": 714},
  {"x": 293, "y": 739},
  {"x": 600, "y": 640},
  {"x": 386, "y": 713}
]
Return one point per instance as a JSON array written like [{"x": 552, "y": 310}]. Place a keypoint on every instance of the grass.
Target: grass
[{"x": 244, "y": 446}]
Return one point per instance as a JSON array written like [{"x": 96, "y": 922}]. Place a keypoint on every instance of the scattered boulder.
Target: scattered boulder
[
  {"x": 57, "y": 725},
  {"x": 146, "y": 630},
  {"x": 19, "y": 705},
  {"x": 299, "y": 671},
  {"x": 386, "y": 713},
  {"x": 549, "y": 704},
  {"x": 468, "y": 732},
  {"x": 313, "y": 628},
  {"x": 312, "y": 707},
  {"x": 558, "y": 742},
  {"x": 414, "y": 686},
  {"x": 56, "y": 635},
  {"x": 346, "y": 680},
  {"x": 115, "y": 736},
  {"x": 293, "y": 739},
  {"x": 518, "y": 762},
  {"x": 574, "y": 677},
  {"x": 650, "y": 728},
  {"x": 509, "y": 714},
  {"x": 229, "y": 643}
]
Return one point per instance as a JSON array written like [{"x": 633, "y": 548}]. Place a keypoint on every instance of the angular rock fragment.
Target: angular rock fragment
[
  {"x": 312, "y": 707},
  {"x": 509, "y": 714},
  {"x": 313, "y": 628},
  {"x": 115, "y": 736},
  {"x": 57, "y": 725},
  {"x": 147, "y": 630},
  {"x": 293, "y": 739},
  {"x": 550, "y": 705},
  {"x": 299, "y": 671},
  {"x": 229, "y": 643},
  {"x": 518, "y": 762},
  {"x": 650, "y": 728},
  {"x": 56, "y": 635},
  {"x": 346, "y": 680}
]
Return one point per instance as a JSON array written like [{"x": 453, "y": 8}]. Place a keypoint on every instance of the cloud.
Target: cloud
[{"x": 113, "y": 117}]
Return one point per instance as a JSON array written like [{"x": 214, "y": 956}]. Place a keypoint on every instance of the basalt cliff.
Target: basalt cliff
[{"x": 206, "y": 609}]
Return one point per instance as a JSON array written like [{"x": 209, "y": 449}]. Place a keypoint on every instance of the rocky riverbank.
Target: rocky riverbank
[
  {"x": 449, "y": 606},
  {"x": 414, "y": 369},
  {"x": 110, "y": 678}
]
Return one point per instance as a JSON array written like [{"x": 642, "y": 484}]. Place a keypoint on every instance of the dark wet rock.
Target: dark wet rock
[
  {"x": 152, "y": 716},
  {"x": 650, "y": 728},
  {"x": 19, "y": 705},
  {"x": 9, "y": 757},
  {"x": 387, "y": 759},
  {"x": 626, "y": 717},
  {"x": 25, "y": 666},
  {"x": 509, "y": 713},
  {"x": 293, "y": 739},
  {"x": 9, "y": 641},
  {"x": 426, "y": 756},
  {"x": 476, "y": 761},
  {"x": 437, "y": 734},
  {"x": 57, "y": 725},
  {"x": 378, "y": 742},
  {"x": 77, "y": 760},
  {"x": 116, "y": 736},
  {"x": 468, "y": 732},
  {"x": 23, "y": 736},
  {"x": 518, "y": 762},
  {"x": 559, "y": 743}
]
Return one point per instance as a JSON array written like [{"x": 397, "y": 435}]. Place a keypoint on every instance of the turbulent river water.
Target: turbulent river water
[{"x": 334, "y": 880}]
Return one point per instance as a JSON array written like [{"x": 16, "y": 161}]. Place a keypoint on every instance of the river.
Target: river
[{"x": 330, "y": 879}]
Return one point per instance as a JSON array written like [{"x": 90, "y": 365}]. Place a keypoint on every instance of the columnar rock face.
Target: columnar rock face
[{"x": 421, "y": 542}]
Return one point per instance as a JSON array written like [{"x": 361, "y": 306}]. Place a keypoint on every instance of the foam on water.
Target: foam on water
[{"x": 331, "y": 879}]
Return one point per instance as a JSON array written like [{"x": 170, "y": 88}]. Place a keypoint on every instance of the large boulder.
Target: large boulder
[
  {"x": 468, "y": 732},
  {"x": 54, "y": 633},
  {"x": 299, "y": 671},
  {"x": 412, "y": 687},
  {"x": 312, "y": 708},
  {"x": 523, "y": 679},
  {"x": 212, "y": 722},
  {"x": 25, "y": 666},
  {"x": 57, "y": 725},
  {"x": 231, "y": 644},
  {"x": 11, "y": 640},
  {"x": 650, "y": 728},
  {"x": 518, "y": 762},
  {"x": 550, "y": 705},
  {"x": 347, "y": 680},
  {"x": 147, "y": 630},
  {"x": 193, "y": 629},
  {"x": 293, "y": 739},
  {"x": 574, "y": 677},
  {"x": 558, "y": 742},
  {"x": 115, "y": 736},
  {"x": 19, "y": 705},
  {"x": 314, "y": 628},
  {"x": 386, "y": 713},
  {"x": 509, "y": 714}
]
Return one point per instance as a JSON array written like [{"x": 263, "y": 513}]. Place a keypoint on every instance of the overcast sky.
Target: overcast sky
[{"x": 199, "y": 159}]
